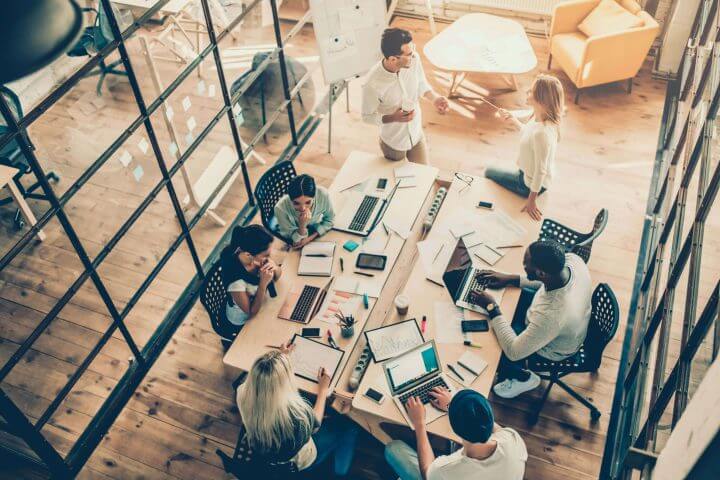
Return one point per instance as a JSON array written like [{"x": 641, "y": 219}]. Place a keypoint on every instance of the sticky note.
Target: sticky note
[
  {"x": 211, "y": 90},
  {"x": 201, "y": 87},
  {"x": 186, "y": 104},
  {"x": 173, "y": 148},
  {"x": 143, "y": 145},
  {"x": 125, "y": 158},
  {"x": 189, "y": 138},
  {"x": 169, "y": 112},
  {"x": 191, "y": 123},
  {"x": 138, "y": 173}
]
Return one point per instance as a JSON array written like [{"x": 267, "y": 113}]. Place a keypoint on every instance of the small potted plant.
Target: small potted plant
[{"x": 347, "y": 324}]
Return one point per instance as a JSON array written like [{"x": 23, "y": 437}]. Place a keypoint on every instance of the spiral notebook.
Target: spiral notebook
[{"x": 316, "y": 259}]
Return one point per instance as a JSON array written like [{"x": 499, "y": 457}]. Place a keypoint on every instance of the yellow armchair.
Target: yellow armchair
[{"x": 599, "y": 59}]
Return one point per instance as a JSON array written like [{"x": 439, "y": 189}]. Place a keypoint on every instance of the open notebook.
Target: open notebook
[{"x": 316, "y": 259}]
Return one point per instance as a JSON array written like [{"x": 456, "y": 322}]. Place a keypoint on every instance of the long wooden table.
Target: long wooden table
[
  {"x": 267, "y": 329},
  {"x": 424, "y": 294}
]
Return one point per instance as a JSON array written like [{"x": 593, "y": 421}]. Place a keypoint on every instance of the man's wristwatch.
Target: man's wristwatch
[{"x": 493, "y": 309}]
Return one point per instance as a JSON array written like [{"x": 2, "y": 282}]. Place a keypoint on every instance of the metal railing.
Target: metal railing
[{"x": 684, "y": 164}]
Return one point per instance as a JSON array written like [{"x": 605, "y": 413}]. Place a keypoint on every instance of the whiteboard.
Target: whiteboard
[{"x": 348, "y": 36}]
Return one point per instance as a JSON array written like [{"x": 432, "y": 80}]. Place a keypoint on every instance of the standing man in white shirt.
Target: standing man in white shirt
[
  {"x": 391, "y": 97},
  {"x": 489, "y": 451}
]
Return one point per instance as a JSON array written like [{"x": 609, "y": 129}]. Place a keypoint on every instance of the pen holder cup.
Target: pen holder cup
[{"x": 347, "y": 332}]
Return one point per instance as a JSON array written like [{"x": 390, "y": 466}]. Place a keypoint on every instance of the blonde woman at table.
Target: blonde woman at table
[
  {"x": 282, "y": 427},
  {"x": 539, "y": 137}
]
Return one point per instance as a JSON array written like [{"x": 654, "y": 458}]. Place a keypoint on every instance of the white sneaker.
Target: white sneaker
[{"x": 511, "y": 388}]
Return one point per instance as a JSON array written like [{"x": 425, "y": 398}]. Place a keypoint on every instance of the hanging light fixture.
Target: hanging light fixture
[{"x": 33, "y": 33}]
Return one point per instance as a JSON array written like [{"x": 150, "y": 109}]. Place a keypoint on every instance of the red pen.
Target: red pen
[
  {"x": 423, "y": 324},
  {"x": 331, "y": 341}
]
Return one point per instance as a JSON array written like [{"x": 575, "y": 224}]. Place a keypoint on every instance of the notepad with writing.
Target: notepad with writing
[
  {"x": 316, "y": 259},
  {"x": 471, "y": 366}
]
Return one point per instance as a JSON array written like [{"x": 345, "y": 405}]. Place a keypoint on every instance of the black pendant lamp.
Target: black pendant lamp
[{"x": 33, "y": 33}]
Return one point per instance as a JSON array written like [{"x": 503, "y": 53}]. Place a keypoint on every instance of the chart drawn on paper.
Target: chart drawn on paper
[
  {"x": 393, "y": 340},
  {"x": 309, "y": 355}
]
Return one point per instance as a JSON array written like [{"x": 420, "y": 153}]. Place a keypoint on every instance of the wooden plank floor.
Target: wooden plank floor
[{"x": 184, "y": 408}]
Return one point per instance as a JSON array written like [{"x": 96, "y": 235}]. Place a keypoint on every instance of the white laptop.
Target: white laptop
[
  {"x": 414, "y": 374},
  {"x": 362, "y": 212}
]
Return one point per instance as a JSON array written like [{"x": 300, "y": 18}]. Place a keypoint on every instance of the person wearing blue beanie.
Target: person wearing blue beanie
[{"x": 488, "y": 451}]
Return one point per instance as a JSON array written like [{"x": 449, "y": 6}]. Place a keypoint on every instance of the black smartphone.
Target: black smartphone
[
  {"x": 474, "y": 326},
  {"x": 374, "y": 395},
  {"x": 487, "y": 205},
  {"x": 373, "y": 262},
  {"x": 382, "y": 183},
  {"x": 310, "y": 332}
]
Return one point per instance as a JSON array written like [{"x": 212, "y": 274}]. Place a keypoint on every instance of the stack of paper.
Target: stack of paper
[{"x": 317, "y": 259}]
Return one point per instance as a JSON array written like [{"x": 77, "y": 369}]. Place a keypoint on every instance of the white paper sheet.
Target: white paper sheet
[
  {"x": 448, "y": 328},
  {"x": 308, "y": 356},
  {"x": 355, "y": 284},
  {"x": 434, "y": 257}
]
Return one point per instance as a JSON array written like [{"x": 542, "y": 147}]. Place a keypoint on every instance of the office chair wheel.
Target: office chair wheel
[
  {"x": 19, "y": 223},
  {"x": 594, "y": 415},
  {"x": 54, "y": 177}
]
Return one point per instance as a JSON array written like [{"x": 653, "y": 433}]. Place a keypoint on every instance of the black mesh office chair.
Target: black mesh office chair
[
  {"x": 575, "y": 242},
  {"x": 94, "y": 39},
  {"x": 214, "y": 298},
  {"x": 268, "y": 191},
  {"x": 12, "y": 156},
  {"x": 604, "y": 321}
]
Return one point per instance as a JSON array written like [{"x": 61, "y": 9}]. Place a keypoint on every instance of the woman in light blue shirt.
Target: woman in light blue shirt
[{"x": 305, "y": 213}]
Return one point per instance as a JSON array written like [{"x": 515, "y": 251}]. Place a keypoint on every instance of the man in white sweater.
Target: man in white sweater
[
  {"x": 551, "y": 318},
  {"x": 391, "y": 98}
]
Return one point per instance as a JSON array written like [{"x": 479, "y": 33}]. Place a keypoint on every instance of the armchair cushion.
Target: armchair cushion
[
  {"x": 608, "y": 17},
  {"x": 569, "y": 50}
]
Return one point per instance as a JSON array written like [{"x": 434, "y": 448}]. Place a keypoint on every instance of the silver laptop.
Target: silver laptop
[
  {"x": 362, "y": 212},
  {"x": 414, "y": 374},
  {"x": 460, "y": 279}
]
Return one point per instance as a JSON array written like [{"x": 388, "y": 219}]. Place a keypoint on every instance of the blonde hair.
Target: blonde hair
[
  {"x": 272, "y": 410},
  {"x": 549, "y": 94}
]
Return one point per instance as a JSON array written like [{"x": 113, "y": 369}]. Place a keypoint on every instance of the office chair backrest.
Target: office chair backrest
[
  {"x": 584, "y": 246},
  {"x": 10, "y": 150},
  {"x": 214, "y": 298},
  {"x": 270, "y": 189},
  {"x": 604, "y": 321}
]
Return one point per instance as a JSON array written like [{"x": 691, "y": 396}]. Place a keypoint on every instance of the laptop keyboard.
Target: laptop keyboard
[
  {"x": 304, "y": 303},
  {"x": 476, "y": 285},
  {"x": 423, "y": 391},
  {"x": 362, "y": 215}
]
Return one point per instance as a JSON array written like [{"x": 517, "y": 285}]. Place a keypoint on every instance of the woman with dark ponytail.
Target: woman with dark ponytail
[
  {"x": 305, "y": 213},
  {"x": 247, "y": 270}
]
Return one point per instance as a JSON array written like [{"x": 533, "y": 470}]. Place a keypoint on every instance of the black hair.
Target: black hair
[
  {"x": 392, "y": 41},
  {"x": 548, "y": 256},
  {"x": 252, "y": 239},
  {"x": 302, "y": 185}
]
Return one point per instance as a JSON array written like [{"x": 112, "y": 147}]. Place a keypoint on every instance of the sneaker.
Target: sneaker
[{"x": 511, "y": 388}]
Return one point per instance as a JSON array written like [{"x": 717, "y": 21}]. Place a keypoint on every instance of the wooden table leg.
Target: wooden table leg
[{"x": 25, "y": 209}]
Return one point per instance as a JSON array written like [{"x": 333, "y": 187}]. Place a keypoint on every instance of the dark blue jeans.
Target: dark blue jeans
[
  {"x": 513, "y": 180},
  {"x": 338, "y": 436}
]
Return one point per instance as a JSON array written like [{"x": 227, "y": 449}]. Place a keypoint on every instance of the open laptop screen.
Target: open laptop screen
[
  {"x": 456, "y": 268},
  {"x": 412, "y": 366}
]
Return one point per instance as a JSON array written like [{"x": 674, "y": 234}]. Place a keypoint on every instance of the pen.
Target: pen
[
  {"x": 468, "y": 368},
  {"x": 423, "y": 324},
  {"x": 331, "y": 341},
  {"x": 273, "y": 346},
  {"x": 470, "y": 344},
  {"x": 364, "y": 274},
  {"x": 452, "y": 369},
  {"x": 342, "y": 265},
  {"x": 433, "y": 281},
  {"x": 438, "y": 252}
]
